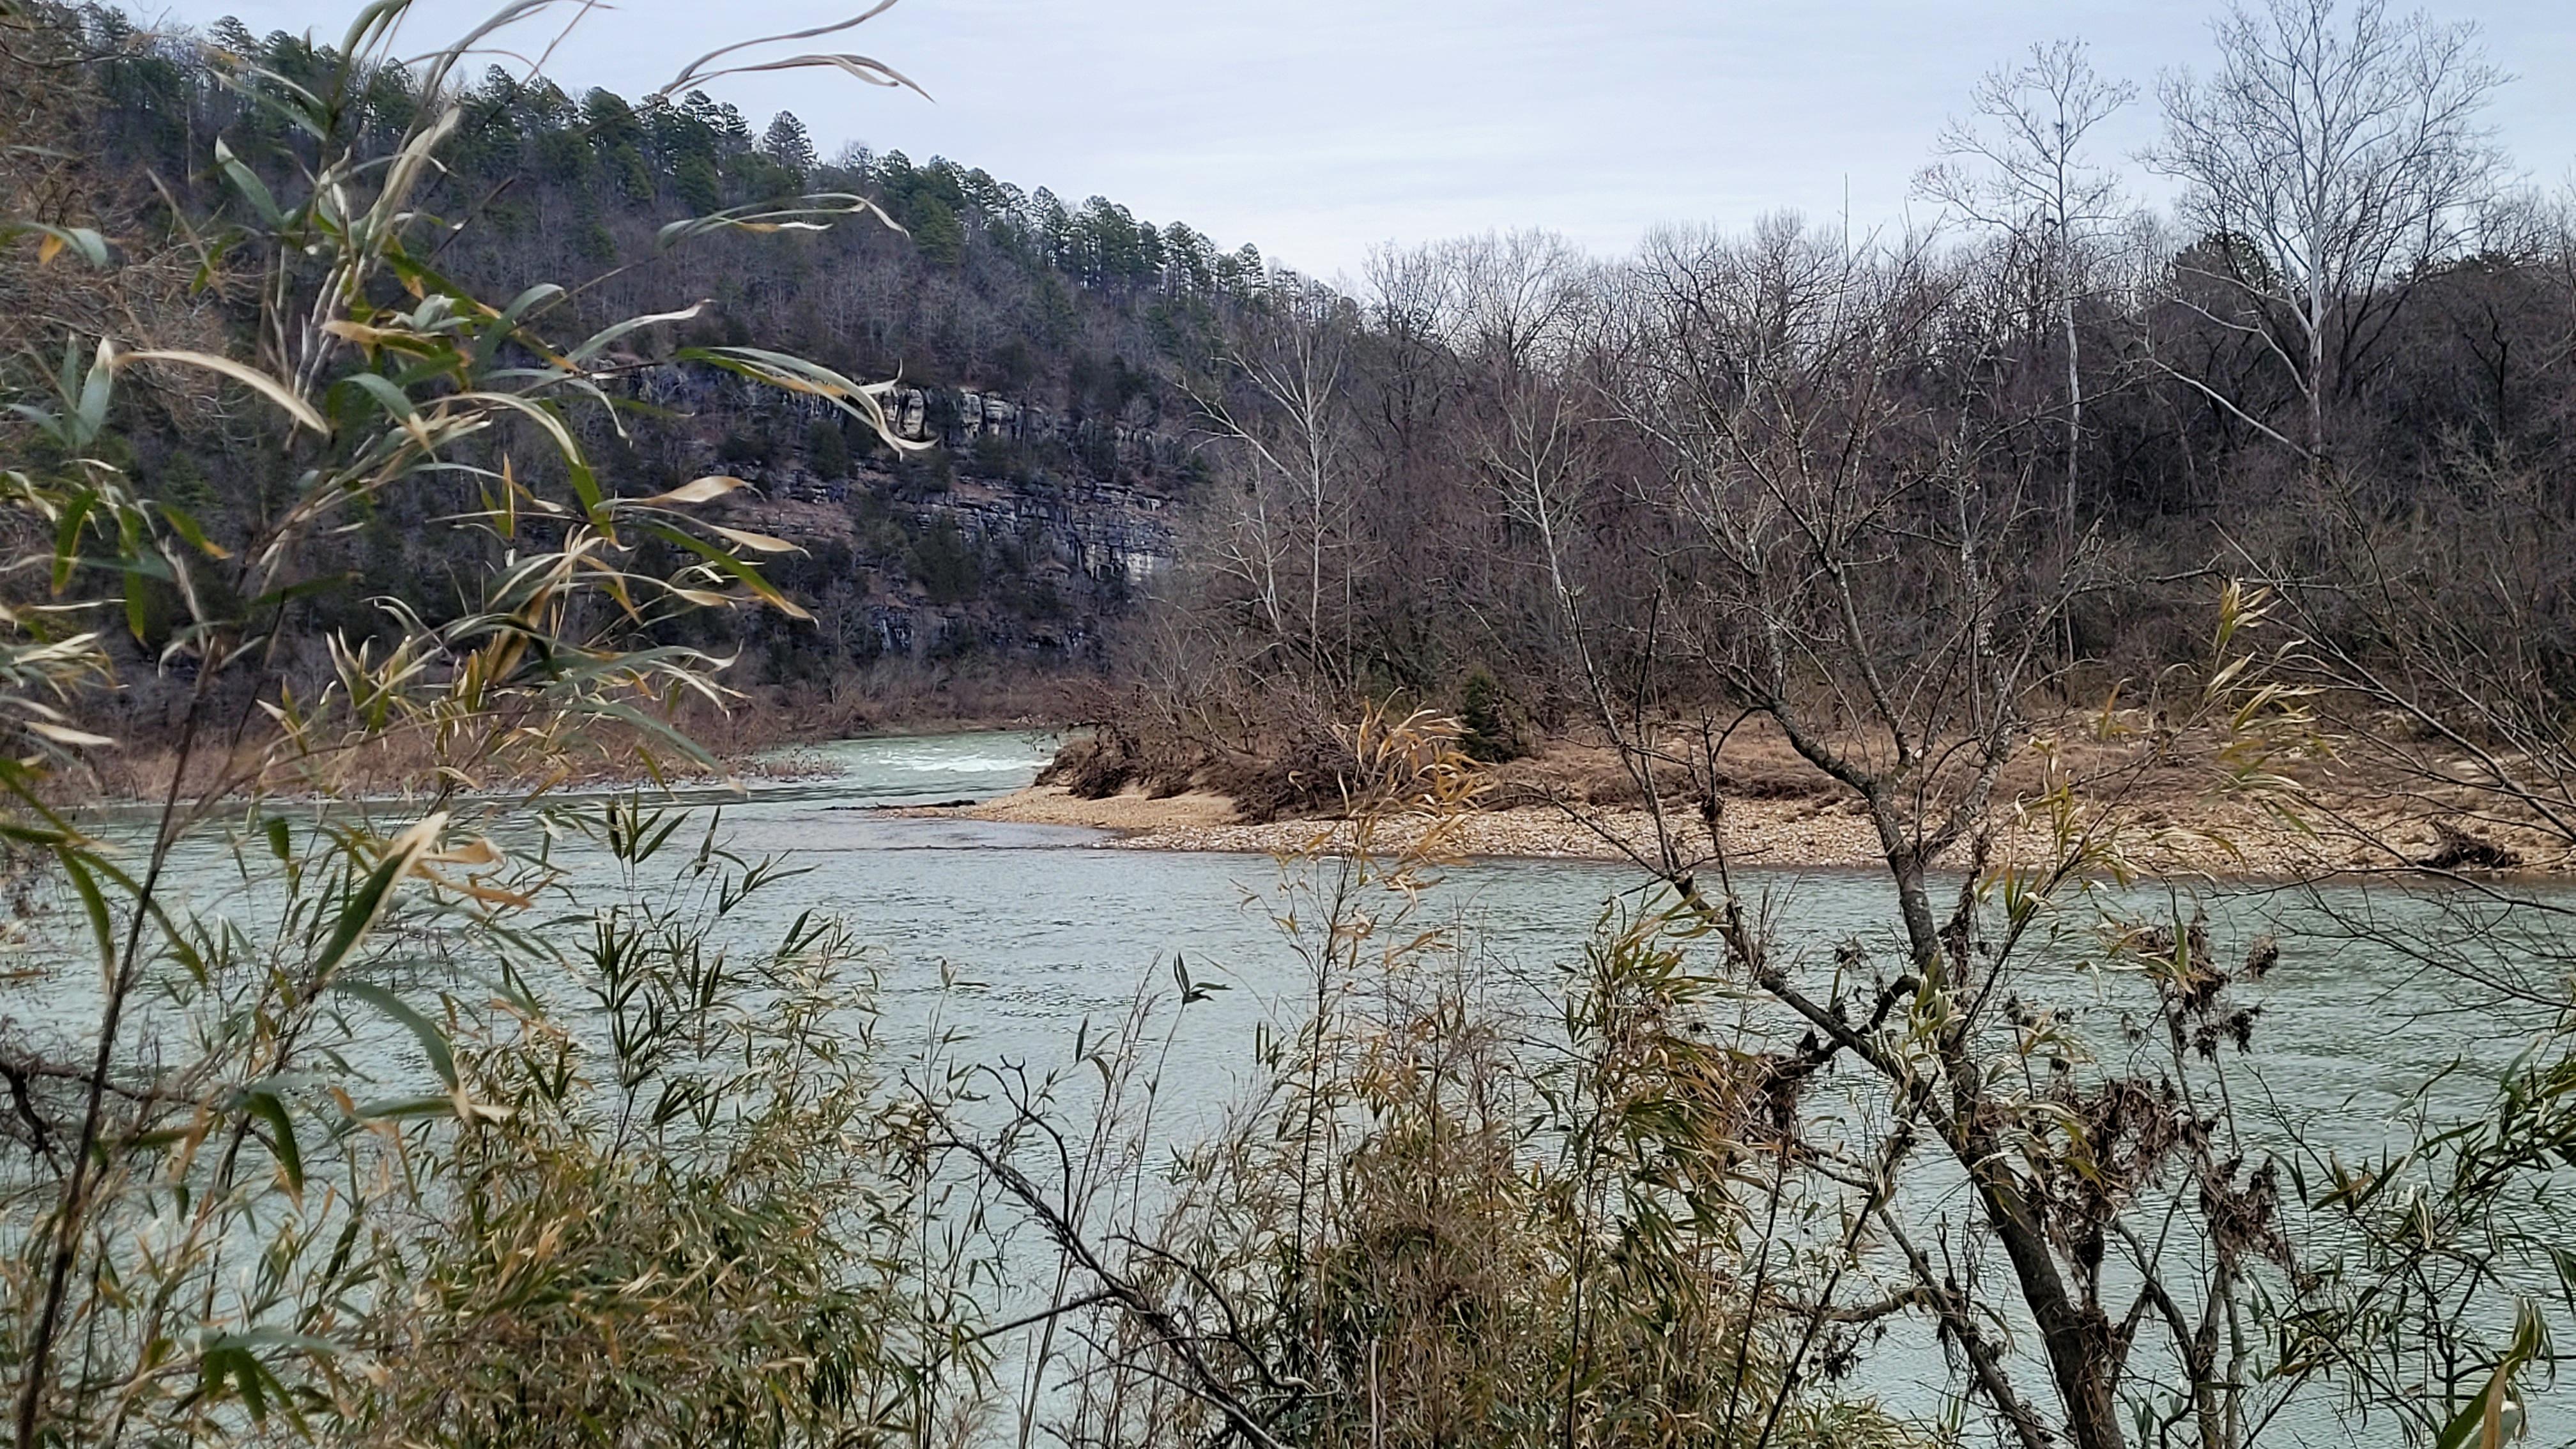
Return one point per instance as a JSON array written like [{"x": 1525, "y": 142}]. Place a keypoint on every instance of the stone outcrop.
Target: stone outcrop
[
  {"x": 1083, "y": 541},
  {"x": 960, "y": 419},
  {"x": 921, "y": 415}
]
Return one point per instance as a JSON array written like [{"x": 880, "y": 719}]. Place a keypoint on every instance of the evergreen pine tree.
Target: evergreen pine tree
[{"x": 788, "y": 144}]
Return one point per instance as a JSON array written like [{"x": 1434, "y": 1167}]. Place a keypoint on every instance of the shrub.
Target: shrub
[
  {"x": 1449, "y": 1209},
  {"x": 1486, "y": 735}
]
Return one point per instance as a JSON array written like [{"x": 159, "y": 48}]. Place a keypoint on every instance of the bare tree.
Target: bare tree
[
  {"x": 1524, "y": 298},
  {"x": 1852, "y": 533},
  {"x": 1287, "y": 531},
  {"x": 2325, "y": 161},
  {"x": 2022, "y": 168},
  {"x": 1825, "y": 420}
]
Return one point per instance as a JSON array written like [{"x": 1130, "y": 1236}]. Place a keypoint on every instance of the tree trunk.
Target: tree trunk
[{"x": 2074, "y": 406}]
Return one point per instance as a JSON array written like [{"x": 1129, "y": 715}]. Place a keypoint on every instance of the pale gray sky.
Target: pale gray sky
[{"x": 1319, "y": 128}]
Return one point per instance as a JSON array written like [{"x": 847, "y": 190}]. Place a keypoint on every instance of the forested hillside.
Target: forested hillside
[{"x": 1047, "y": 349}]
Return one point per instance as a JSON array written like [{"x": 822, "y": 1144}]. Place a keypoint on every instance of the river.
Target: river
[{"x": 1019, "y": 938}]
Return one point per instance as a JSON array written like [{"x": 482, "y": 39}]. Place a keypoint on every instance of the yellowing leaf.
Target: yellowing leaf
[
  {"x": 48, "y": 249},
  {"x": 488, "y": 895},
  {"x": 756, "y": 542},
  {"x": 250, "y": 377},
  {"x": 63, "y": 735},
  {"x": 479, "y": 851},
  {"x": 697, "y": 490},
  {"x": 364, "y": 335}
]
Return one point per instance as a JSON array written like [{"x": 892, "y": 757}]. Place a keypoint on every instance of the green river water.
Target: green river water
[{"x": 1019, "y": 937}]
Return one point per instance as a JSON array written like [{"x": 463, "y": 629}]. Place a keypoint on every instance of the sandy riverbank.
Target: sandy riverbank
[
  {"x": 1774, "y": 833},
  {"x": 2181, "y": 809},
  {"x": 1572, "y": 801}
]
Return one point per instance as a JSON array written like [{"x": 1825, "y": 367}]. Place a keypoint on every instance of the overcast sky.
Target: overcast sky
[{"x": 1320, "y": 128}]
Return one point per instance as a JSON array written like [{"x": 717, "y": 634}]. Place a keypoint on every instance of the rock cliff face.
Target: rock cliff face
[
  {"x": 1022, "y": 531},
  {"x": 961, "y": 419},
  {"x": 1102, "y": 530}
]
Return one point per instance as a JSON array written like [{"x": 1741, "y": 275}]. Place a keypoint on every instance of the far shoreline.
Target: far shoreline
[
  {"x": 2168, "y": 837},
  {"x": 1762, "y": 835}
]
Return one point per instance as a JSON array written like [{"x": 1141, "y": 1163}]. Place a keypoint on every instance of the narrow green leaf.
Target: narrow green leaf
[
  {"x": 293, "y": 592},
  {"x": 442, "y": 1057},
  {"x": 264, "y": 1103},
  {"x": 527, "y": 301},
  {"x": 244, "y": 1370},
  {"x": 395, "y": 1108},
  {"x": 364, "y": 908},
  {"x": 67, "y": 536},
  {"x": 250, "y": 377},
  {"x": 187, "y": 527},
  {"x": 393, "y": 400},
  {"x": 734, "y": 568},
  {"x": 96, "y": 390},
  {"x": 2463, "y": 1426},
  {"x": 54, "y": 240},
  {"x": 101, "y": 927},
  {"x": 601, "y": 340},
  {"x": 247, "y": 182}
]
